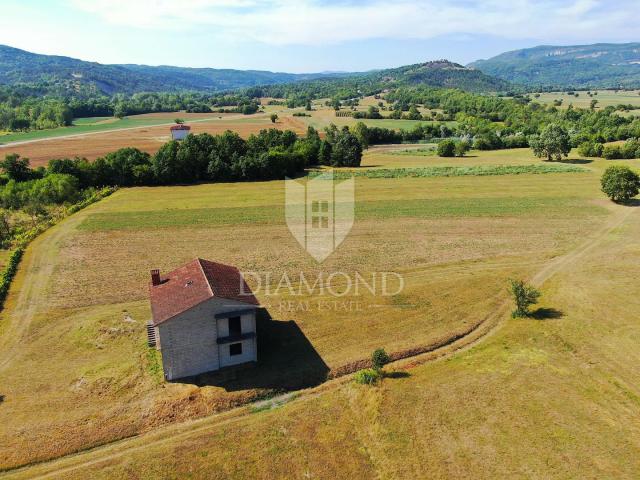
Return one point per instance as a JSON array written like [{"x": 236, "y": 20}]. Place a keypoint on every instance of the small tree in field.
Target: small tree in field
[
  {"x": 274, "y": 117},
  {"x": 620, "y": 183},
  {"x": 379, "y": 358},
  {"x": 553, "y": 143},
  {"x": 179, "y": 121},
  {"x": 446, "y": 148},
  {"x": 524, "y": 296}
]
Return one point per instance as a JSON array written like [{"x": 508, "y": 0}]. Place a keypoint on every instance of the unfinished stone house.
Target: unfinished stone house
[{"x": 204, "y": 319}]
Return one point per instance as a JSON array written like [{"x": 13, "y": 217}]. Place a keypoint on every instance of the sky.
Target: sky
[{"x": 307, "y": 35}]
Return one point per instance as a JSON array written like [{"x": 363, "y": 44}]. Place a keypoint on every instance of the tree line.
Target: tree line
[{"x": 270, "y": 154}]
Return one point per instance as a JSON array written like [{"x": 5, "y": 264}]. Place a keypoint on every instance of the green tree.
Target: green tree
[
  {"x": 346, "y": 151},
  {"x": 461, "y": 148},
  {"x": 447, "y": 148},
  {"x": 274, "y": 117},
  {"x": 524, "y": 296},
  {"x": 379, "y": 358},
  {"x": 553, "y": 143},
  {"x": 16, "y": 168},
  {"x": 620, "y": 183}
]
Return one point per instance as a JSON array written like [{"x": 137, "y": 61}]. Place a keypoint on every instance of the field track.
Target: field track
[{"x": 40, "y": 260}]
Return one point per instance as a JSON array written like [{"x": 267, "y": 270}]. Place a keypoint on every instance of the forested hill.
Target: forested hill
[
  {"x": 64, "y": 76},
  {"x": 36, "y": 74},
  {"x": 602, "y": 65},
  {"x": 439, "y": 74}
]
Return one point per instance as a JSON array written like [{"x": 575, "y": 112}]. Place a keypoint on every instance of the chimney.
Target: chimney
[{"x": 155, "y": 277}]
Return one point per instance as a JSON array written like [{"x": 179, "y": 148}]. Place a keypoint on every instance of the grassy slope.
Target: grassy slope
[{"x": 455, "y": 264}]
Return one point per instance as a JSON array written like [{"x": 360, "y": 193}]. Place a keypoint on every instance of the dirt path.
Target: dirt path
[
  {"x": 40, "y": 264},
  {"x": 35, "y": 271}
]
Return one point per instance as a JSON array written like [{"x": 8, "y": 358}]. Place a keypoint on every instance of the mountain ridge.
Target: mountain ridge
[
  {"x": 67, "y": 76},
  {"x": 598, "y": 65}
]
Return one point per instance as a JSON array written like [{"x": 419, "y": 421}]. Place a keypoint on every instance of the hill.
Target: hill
[
  {"x": 602, "y": 65},
  {"x": 442, "y": 73},
  {"x": 64, "y": 76}
]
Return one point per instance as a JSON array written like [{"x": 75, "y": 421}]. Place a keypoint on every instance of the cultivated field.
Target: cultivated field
[{"x": 73, "y": 343}]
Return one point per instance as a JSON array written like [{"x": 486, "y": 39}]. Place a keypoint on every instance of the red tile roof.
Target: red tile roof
[
  {"x": 193, "y": 283},
  {"x": 179, "y": 127}
]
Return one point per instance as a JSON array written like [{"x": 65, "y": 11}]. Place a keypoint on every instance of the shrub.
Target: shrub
[
  {"x": 612, "y": 152},
  {"x": 461, "y": 148},
  {"x": 367, "y": 377},
  {"x": 446, "y": 148},
  {"x": 524, "y": 296},
  {"x": 620, "y": 183},
  {"x": 591, "y": 149},
  {"x": 379, "y": 358}
]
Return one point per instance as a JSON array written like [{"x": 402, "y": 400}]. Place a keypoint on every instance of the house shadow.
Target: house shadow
[
  {"x": 547, "y": 314},
  {"x": 286, "y": 361}
]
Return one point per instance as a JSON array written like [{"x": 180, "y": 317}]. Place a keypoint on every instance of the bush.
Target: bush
[
  {"x": 367, "y": 377},
  {"x": 379, "y": 358},
  {"x": 591, "y": 149},
  {"x": 620, "y": 183},
  {"x": 524, "y": 296},
  {"x": 447, "y": 148},
  {"x": 461, "y": 148},
  {"x": 612, "y": 152}
]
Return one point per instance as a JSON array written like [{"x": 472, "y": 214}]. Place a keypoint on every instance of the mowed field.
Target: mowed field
[
  {"x": 102, "y": 138},
  {"x": 95, "y": 137},
  {"x": 75, "y": 370},
  {"x": 548, "y": 397}
]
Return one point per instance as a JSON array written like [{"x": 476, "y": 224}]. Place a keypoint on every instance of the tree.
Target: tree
[
  {"x": 179, "y": 121},
  {"x": 379, "y": 358},
  {"x": 446, "y": 148},
  {"x": 346, "y": 151},
  {"x": 552, "y": 143},
  {"x": 620, "y": 183},
  {"x": 593, "y": 104},
  {"x": 524, "y": 296},
  {"x": 461, "y": 148},
  {"x": 16, "y": 168},
  {"x": 274, "y": 117}
]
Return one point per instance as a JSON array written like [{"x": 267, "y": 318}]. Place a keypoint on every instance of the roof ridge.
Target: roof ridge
[{"x": 204, "y": 274}]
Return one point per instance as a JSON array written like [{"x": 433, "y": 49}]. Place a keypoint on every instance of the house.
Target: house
[
  {"x": 179, "y": 131},
  {"x": 204, "y": 318}
]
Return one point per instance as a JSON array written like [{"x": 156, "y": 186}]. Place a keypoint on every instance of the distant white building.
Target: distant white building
[
  {"x": 204, "y": 319},
  {"x": 179, "y": 131}
]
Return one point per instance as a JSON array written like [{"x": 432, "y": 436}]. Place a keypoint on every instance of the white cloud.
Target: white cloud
[{"x": 311, "y": 22}]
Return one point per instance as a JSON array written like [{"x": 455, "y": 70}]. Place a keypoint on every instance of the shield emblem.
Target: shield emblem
[{"x": 320, "y": 213}]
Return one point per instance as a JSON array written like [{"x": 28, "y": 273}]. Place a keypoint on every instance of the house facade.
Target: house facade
[
  {"x": 204, "y": 319},
  {"x": 179, "y": 131}
]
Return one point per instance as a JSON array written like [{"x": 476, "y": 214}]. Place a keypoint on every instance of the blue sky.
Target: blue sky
[{"x": 307, "y": 35}]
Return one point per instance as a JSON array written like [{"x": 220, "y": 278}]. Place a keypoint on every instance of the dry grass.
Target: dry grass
[
  {"x": 149, "y": 139},
  {"x": 84, "y": 368},
  {"x": 554, "y": 398}
]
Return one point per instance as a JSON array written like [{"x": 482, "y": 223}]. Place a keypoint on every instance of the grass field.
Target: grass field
[
  {"x": 555, "y": 398},
  {"x": 605, "y": 98},
  {"x": 95, "y": 140},
  {"x": 103, "y": 124},
  {"x": 72, "y": 336}
]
